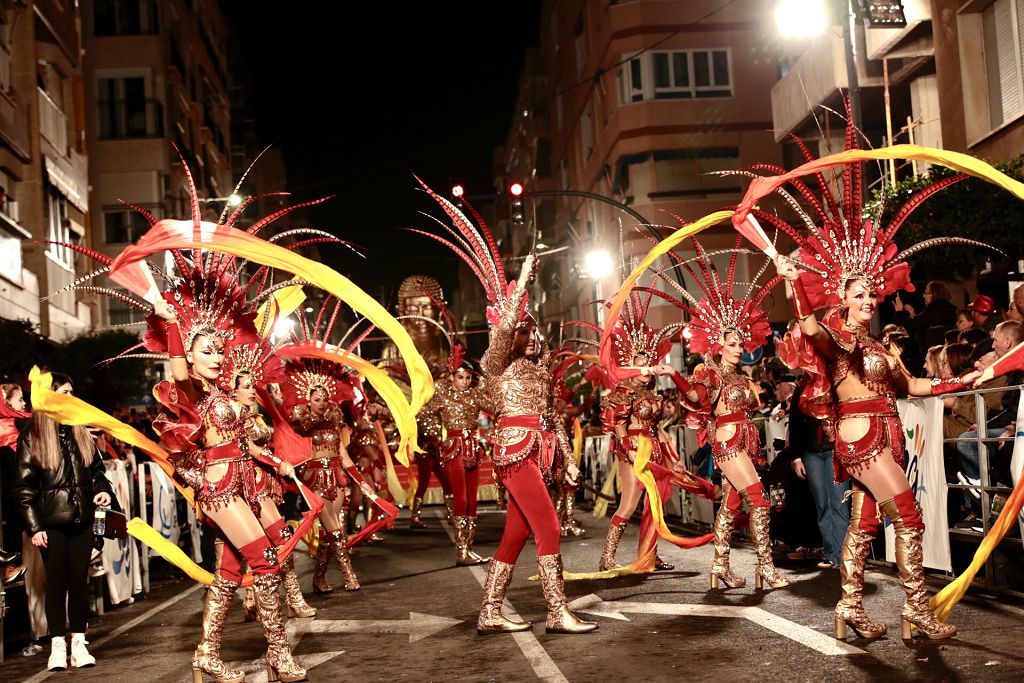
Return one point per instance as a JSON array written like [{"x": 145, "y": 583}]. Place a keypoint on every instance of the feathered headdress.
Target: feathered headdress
[
  {"x": 842, "y": 245},
  {"x": 475, "y": 245},
  {"x": 304, "y": 375}
]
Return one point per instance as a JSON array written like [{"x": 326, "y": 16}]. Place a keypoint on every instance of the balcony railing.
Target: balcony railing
[
  {"x": 131, "y": 119},
  {"x": 53, "y": 124}
]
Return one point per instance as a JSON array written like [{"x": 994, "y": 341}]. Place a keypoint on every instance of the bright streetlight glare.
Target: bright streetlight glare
[
  {"x": 598, "y": 264},
  {"x": 235, "y": 199},
  {"x": 283, "y": 328},
  {"x": 458, "y": 191},
  {"x": 800, "y": 18}
]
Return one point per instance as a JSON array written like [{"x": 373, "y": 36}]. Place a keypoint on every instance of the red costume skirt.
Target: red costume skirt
[
  {"x": 885, "y": 434},
  {"x": 746, "y": 440},
  {"x": 243, "y": 478},
  {"x": 538, "y": 445},
  {"x": 326, "y": 476},
  {"x": 465, "y": 445},
  {"x": 622, "y": 449}
]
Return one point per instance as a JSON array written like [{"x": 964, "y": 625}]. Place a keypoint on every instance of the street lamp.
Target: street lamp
[
  {"x": 800, "y": 18},
  {"x": 598, "y": 264}
]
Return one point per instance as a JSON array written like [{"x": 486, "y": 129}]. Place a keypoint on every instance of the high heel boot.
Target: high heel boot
[
  {"x": 908, "y": 528},
  {"x": 280, "y": 665},
  {"x": 560, "y": 619},
  {"x": 571, "y": 526},
  {"x": 611, "y": 543},
  {"x": 324, "y": 552},
  {"x": 491, "y": 620},
  {"x": 297, "y": 605},
  {"x": 207, "y": 655},
  {"x": 414, "y": 516},
  {"x": 462, "y": 557},
  {"x": 856, "y": 548},
  {"x": 760, "y": 524},
  {"x": 725, "y": 524},
  {"x": 449, "y": 503},
  {"x": 339, "y": 545}
]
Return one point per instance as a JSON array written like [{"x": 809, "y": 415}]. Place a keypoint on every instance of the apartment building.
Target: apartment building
[
  {"x": 43, "y": 162},
  {"x": 155, "y": 77}
]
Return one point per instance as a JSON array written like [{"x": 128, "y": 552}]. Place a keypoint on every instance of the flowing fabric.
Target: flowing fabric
[
  {"x": 763, "y": 186},
  {"x": 71, "y": 410},
  {"x": 281, "y": 304},
  {"x": 577, "y": 440},
  {"x": 610, "y": 488},
  {"x": 1011, "y": 360},
  {"x": 944, "y": 601},
  {"x": 169, "y": 235},
  {"x": 370, "y": 528},
  {"x": 394, "y": 486},
  {"x": 615, "y": 308}
]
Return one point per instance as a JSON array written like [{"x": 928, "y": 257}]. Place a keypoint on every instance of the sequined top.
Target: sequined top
[
  {"x": 459, "y": 410},
  {"x": 861, "y": 359},
  {"x": 723, "y": 392},
  {"x": 632, "y": 405},
  {"x": 223, "y": 419},
  {"x": 323, "y": 430},
  {"x": 518, "y": 385}
]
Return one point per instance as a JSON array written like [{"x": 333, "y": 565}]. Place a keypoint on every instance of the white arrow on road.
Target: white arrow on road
[
  {"x": 418, "y": 626},
  {"x": 592, "y": 604}
]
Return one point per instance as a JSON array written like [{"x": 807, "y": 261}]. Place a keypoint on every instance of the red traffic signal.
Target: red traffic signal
[
  {"x": 458, "y": 191},
  {"x": 516, "y": 189}
]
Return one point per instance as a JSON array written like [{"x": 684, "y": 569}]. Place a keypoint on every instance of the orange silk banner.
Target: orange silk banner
[
  {"x": 169, "y": 235},
  {"x": 69, "y": 410},
  {"x": 378, "y": 378},
  {"x": 764, "y": 186},
  {"x": 659, "y": 250}
]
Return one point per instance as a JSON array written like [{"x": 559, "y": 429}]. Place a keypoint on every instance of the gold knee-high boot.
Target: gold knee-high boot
[
  {"x": 414, "y": 517},
  {"x": 297, "y": 605},
  {"x": 760, "y": 523},
  {"x": 917, "y": 614},
  {"x": 471, "y": 539},
  {"x": 560, "y": 619},
  {"x": 339, "y": 548},
  {"x": 280, "y": 665},
  {"x": 856, "y": 548},
  {"x": 725, "y": 525},
  {"x": 491, "y": 620},
  {"x": 324, "y": 553},
  {"x": 571, "y": 526},
  {"x": 611, "y": 544},
  {"x": 207, "y": 655}
]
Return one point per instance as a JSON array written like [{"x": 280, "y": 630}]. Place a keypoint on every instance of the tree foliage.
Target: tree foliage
[
  {"x": 971, "y": 208},
  {"x": 103, "y": 385},
  {"x": 23, "y": 347}
]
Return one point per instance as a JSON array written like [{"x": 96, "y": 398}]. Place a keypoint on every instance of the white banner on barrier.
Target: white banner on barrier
[
  {"x": 121, "y": 558},
  {"x": 193, "y": 529},
  {"x": 165, "y": 505},
  {"x": 922, "y": 428},
  {"x": 1017, "y": 463}
]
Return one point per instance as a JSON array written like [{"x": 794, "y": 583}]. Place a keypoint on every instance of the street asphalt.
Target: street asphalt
[{"x": 414, "y": 620}]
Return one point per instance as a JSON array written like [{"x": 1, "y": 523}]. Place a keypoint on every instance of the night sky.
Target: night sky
[{"x": 357, "y": 100}]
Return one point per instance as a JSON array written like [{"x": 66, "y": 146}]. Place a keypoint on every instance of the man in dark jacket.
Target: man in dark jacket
[{"x": 938, "y": 313}]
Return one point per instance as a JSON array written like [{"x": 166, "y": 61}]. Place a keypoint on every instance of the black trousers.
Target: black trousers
[{"x": 66, "y": 559}]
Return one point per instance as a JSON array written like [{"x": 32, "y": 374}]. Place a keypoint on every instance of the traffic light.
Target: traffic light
[
  {"x": 458, "y": 191},
  {"x": 515, "y": 191}
]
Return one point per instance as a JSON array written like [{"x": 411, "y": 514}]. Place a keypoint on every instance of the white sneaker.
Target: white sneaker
[
  {"x": 80, "y": 656},
  {"x": 58, "y": 654}
]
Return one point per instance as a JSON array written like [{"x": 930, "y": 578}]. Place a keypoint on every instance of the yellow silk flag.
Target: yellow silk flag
[
  {"x": 577, "y": 440},
  {"x": 610, "y": 488},
  {"x": 168, "y": 235},
  {"x": 71, "y": 410},
  {"x": 281, "y": 304},
  {"x": 394, "y": 486}
]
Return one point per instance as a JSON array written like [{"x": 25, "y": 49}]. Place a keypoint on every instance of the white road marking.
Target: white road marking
[
  {"x": 826, "y": 645},
  {"x": 418, "y": 626},
  {"x": 43, "y": 675},
  {"x": 535, "y": 654}
]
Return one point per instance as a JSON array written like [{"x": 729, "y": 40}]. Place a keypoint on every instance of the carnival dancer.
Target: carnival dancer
[
  {"x": 459, "y": 404},
  {"x": 848, "y": 265},
  {"x": 368, "y": 453},
  {"x": 420, "y": 304},
  {"x": 527, "y": 433},
  {"x": 315, "y": 390}
]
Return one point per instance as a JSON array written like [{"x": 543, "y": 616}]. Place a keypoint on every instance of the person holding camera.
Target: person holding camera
[{"x": 60, "y": 481}]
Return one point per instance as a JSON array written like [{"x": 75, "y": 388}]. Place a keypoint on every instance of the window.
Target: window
[
  {"x": 120, "y": 313},
  {"x": 1003, "y": 28},
  {"x": 685, "y": 172},
  {"x": 124, "y": 17},
  {"x": 677, "y": 74},
  {"x": 59, "y": 230},
  {"x": 123, "y": 225},
  {"x": 124, "y": 110}
]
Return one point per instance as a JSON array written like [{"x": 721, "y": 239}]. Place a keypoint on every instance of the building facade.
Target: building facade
[
  {"x": 639, "y": 102},
  {"x": 155, "y": 78},
  {"x": 43, "y": 165}
]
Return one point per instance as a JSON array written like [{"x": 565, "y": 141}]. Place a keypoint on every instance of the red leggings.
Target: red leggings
[
  {"x": 425, "y": 464},
  {"x": 664, "y": 480},
  {"x": 529, "y": 510},
  {"x": 464, "y": 484}
]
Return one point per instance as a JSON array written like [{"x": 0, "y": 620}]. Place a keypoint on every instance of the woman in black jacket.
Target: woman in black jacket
[{"x": 60, "y": 480}]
